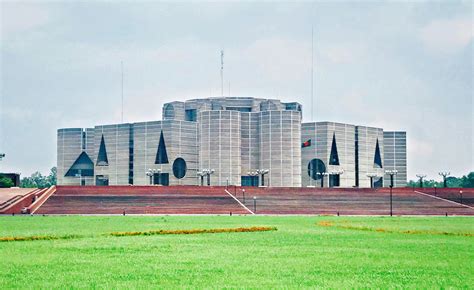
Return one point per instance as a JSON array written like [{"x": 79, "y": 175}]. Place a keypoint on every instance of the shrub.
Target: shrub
[
  {"x": 194, "y": 231},
  {"x": 5, "y": 182}
]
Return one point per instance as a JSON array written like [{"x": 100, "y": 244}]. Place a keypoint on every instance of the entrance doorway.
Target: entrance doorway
[
  {"x": 249, "y": 180},
  {"x": 334, "y": 180},
  {"x": 161, "y": 179},
  {"x": 102, "y": 180}
]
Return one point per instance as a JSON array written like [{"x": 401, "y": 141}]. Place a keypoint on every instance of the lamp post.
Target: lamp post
[
  {"x": 322, "y": 174},
  {"x": 151, "y": 173},
  {"x": 460, "y": 193},
  {"x": 392, "y": 173},
  {"x": 254, "y": 204},
  {"x": 262, "y": 172},
  {"x": 445, "y": 175},
  {"x": 207, "y": 172},
  {"x": 201, "y": 177},
  {"x": 79, "y": 174},
  {"x": 372, "y": 176},
  {"x": 421, "y": 177},
  {"x": 243, "y": 194}
]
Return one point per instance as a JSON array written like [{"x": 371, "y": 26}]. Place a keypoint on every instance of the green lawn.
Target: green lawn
[{"x": 301, "y": 253}]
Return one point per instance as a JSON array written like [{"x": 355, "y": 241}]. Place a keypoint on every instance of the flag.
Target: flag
[{"x": 306, "y": 143}]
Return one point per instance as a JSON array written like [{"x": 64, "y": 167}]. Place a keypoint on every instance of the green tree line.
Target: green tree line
[
  {"x": 5, "y": 182},
  {"x": 39, "y": 180},
  {"x": 466, "y": 181}
]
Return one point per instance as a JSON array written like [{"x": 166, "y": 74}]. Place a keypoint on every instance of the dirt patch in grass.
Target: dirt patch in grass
[
  {"x": 325, "y": 224},
  {"x": 391, "y": 231},
  {"x": 38, "y": 238},
  {"x": 194, "y": 231},
  {"x": 144, "y": 233}
]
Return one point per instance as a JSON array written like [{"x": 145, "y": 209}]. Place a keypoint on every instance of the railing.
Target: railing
[
  {"x": 41, "y": 200},
  {"x": 16, "y": 206},
  {"x": 10, "y": 201}
]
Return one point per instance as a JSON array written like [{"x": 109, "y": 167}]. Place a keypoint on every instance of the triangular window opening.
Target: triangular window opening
[
  {"x": 161, "y": 155},
  {"x": 334, "y": 157},
  {"x": 377, "y": 157},
  {"x": 102, "y": 159},
  {"x": 83, "y": 166}
]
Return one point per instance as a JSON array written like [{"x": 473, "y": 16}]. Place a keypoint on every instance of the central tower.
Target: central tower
[{"x": 240, "y": 137}]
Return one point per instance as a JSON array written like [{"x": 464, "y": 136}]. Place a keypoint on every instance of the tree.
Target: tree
[
  {"x": 5, "y": 182},
  {"x": 26, "y": 182},
  {"x": 467, "y": 181},
  {"x": 52, "y": 179},
  {"x": 40, "y": 181},
  {"x": 453, "y": 181},
  {"x": 426, "y": 183}
]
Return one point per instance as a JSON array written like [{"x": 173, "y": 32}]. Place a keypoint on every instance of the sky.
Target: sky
[{"x": 404, "y": 65}]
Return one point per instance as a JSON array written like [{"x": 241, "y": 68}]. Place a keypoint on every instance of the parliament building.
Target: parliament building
[{"x": 231, "y": 141}]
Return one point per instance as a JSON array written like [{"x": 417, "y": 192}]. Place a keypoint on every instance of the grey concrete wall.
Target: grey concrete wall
[
  {"x": 395, "y": 158},
  {"x": 181, "y": 141},
  {"x": 174, "y": 111},
  {"x": 321, "y": 135},
  {"x": 367, "y": 139},
  {"x": 250, "y": 142},
  {"x": 116, "y": 138},
  {"x": 70, "y": 144},
  {"x": 219, "y": 148},
  {"x": 184, "y": 143},
  {"x": 280, "y": 148}
]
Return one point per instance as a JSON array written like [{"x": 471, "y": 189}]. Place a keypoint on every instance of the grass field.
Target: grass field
[{"x": 336, "y": 252}]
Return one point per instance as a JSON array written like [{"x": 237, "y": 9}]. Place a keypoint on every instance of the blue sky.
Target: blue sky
[{"x": 396, "y": 65}]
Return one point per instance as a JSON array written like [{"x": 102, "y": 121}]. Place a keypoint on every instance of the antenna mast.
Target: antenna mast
[
  {"x": 121, "y": 66},
  {"x": 2, "y": 155},
  {"x": 312, "y": 74},
  {"x": 222, "y": 73}
]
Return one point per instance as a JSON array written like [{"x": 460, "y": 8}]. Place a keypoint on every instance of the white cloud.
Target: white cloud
[
  {"x": 279, "y": 59},
  {"x": 20, "y": 17},
  {"x": 420, "y": 148},
  {"x": 16, "y": 114},
  {"x": 447, "y": 36},
  {"x": 344, "y": 53}
]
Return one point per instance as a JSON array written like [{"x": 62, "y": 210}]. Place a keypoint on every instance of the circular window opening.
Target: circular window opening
[
  {"x": 179, "y": 168},
  {"x": 316, "y": 166}
]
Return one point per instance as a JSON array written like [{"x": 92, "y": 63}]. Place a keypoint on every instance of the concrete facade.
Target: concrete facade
[
  {"x": 235, "y": 138},
  {"x": 367, "y": 139},
  {"x": 395, "y": 158},
  {"x": 180, "y": 139},
  {"x": 71, "y": 143},
  {"x": 280, "y": 147},
  {"x": 219, "y": 146},
  {"x": 322, "y": 135},
  {"x": 361, "y": 152},
  {"x": 116, "y": 141}
]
